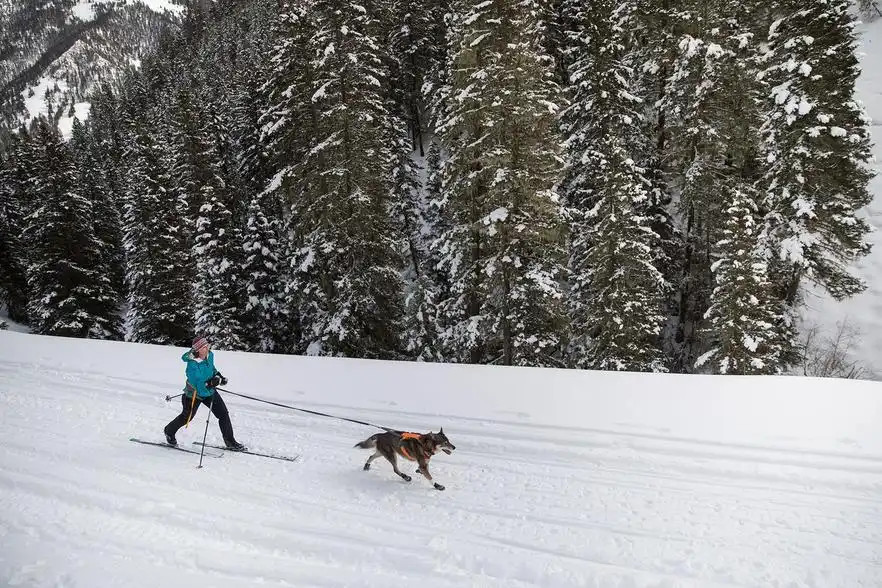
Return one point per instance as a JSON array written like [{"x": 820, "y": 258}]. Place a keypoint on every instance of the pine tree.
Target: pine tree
[
  {"x": 106, "y": 299},
  {"x": 710, "y": 102},
  {"x": 159, "y": 271},
  {"x": 743, "y": 318},
  {"x": 268, "y": 323},
  {"x": 14, "y": 201},
  {"x": 262, "y": 272},
  {"x": 188, "y": 157},
  {"x": 615, "y": 291},
  {"x": 554, "y": 34},
  {"x": 422, "y": 49},
  {"x": 66, "y": 281},
  {"x": 287, "y": 99},
  {"x": 346, "y": 278},
  {"x": 407, "y": 215},
  {"x": 416, "y": 55},
  {"x": 287, "y": 96},
  {"x": 253, "y": 158},
  {"x": 503, "y": 252},
  {"x": 217, "y": 248},
  {"x": 106, "y": 146},
  {"x": 428, "y": 284},
  {"x": 817, "y": 142},
  {"x": 652, "y": 46},
  {"x": 409, "y": 62}
]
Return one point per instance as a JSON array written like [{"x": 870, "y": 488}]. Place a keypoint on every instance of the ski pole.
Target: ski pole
[
  {"x": 170, "y": 398},
  {"x": 205, "y": 435}
]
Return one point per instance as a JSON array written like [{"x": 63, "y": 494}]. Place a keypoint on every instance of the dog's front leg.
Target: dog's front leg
[{"x": 424, "y": 470}]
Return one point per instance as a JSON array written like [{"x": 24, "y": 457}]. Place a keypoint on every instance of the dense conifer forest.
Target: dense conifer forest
[{"x": 645, "y": 185}]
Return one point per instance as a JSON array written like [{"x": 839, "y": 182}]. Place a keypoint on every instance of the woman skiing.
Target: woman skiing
[{"x": 202, "y": 379}]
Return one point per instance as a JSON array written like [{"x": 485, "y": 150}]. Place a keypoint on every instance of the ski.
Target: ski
[
  {"x": 166, "y": 445},
  {"x": 249, "y": 452}
]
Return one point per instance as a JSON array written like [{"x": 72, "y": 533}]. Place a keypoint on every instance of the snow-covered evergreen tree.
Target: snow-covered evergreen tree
[
  {"x": 817, "y": 146},
  {"x": 408, "y": 215},
  {"x": 159, "y": 273},
  {"x": 710, "y": 102},
  {"x": 262, "y": 274},
  {"x": 248, "y": 103},
  {"x": 416, "y": 56},
  {"x": 744, "y": 321},
  {"x": 14, "y": 203},
  {"x": 652, "y": 51},
  {"x": 287, "y": 95},
  {"x": 105, "y": 301},
  {"x": 615, "y": 291},
  {"x": 217, "y": 248},
  {"x": 504, "y": 251},
  {"x": 428, "y": 284},
  {"x": 411, "y": 60},
  {"x": 346, "y": 266},
  {"x": 66, "y": 281},
  {"x": 107, "y": 149}
]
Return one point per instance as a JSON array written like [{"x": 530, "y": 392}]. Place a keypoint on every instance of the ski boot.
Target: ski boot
[{"x": 235, "y": 446}]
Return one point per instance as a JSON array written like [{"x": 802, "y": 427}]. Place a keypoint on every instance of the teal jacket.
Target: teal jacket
[{"x": 198, "y": 372}]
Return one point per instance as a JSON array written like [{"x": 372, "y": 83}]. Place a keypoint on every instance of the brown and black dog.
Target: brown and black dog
[{"x": 418, "y": 447}]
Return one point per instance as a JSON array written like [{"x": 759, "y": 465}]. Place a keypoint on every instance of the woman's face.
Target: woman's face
[{"x": 202, "y": 352}]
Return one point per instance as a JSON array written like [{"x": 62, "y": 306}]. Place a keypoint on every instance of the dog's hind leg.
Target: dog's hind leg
[
  {"x": 367, "y": 464},
  {"x": 394, "y": 461}
]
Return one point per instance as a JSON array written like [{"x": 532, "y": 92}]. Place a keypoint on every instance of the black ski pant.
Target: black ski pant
[{"x": 218, "y": 408}]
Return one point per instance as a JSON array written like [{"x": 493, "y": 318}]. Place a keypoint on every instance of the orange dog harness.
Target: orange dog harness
[{"x": 402, "y": 450}]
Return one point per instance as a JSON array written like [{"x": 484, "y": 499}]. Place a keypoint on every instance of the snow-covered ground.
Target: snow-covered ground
[
  {"x": 11, "y": 324},
  {"x": 864, "y": 311},
  {"x": 34, "y": 96},
  {"x": 560, "y": 477},
  {"x": 85, "y": 9}
]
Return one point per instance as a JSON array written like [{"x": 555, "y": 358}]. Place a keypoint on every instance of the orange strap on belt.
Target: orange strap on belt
[{"x": 190, "y": 416}]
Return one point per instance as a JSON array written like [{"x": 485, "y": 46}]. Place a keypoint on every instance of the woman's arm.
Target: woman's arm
[{"x": 198, "y": 372}]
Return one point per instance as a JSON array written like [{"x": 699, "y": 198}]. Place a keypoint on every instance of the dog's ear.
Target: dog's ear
[{"x": 441, "y": 432}]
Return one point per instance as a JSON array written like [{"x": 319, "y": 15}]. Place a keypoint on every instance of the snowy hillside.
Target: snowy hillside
[
  {"x": 53, "y": 53},
  {"x": 865, "y": 310},
  {"x": 560, "y": 478}
]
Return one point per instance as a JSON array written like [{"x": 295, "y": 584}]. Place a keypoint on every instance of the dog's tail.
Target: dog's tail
[{"x": 368, "y": 443}]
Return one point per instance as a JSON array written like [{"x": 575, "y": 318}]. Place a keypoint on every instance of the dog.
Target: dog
[{"x": 418, "y": 447}]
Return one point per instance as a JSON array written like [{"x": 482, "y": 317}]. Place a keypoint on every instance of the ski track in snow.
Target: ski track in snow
[{"x": 526, "y": 504}]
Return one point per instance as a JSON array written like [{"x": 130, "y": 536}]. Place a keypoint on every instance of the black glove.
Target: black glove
[{"x": 216, "y": 380}]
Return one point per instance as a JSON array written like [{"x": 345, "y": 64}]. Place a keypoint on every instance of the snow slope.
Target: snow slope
[
  {"x": 97, "y": 54},
  {"x": 560, "y": 478},
  {"x": 865, "y": 310}
]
